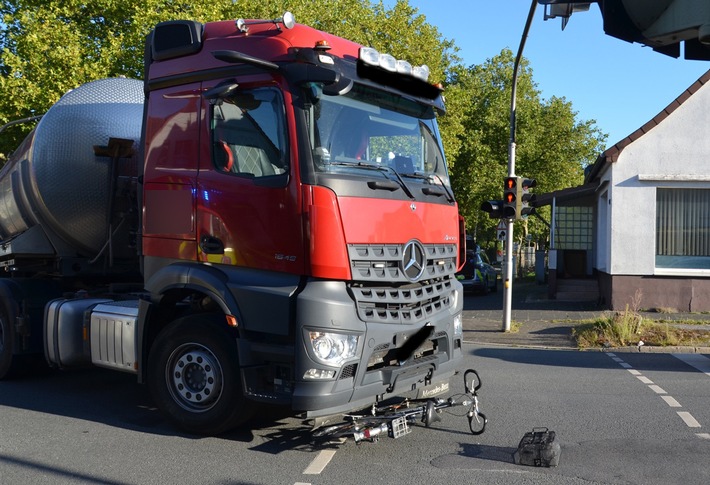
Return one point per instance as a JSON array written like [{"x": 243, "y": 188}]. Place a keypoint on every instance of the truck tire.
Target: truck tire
[
  {"x": 194, "y": 377},
  {"x": 7, "y": 339}
]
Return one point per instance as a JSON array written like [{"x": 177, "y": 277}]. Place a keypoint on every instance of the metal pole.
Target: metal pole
[{"x": 508, "y": 281}]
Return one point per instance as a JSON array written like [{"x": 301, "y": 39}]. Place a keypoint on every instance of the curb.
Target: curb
[
  {"x": 643, "y": 349},
  {"x": 658, "y": 350}
]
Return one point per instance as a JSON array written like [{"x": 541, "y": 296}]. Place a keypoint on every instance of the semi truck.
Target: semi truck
[{"x": 266, "y": 218}]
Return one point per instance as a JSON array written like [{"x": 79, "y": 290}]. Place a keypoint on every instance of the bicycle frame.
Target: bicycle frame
[{"x": 393, "y": 420}]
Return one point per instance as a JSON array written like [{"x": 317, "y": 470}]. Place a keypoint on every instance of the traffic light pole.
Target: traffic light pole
[{"x": 508, "y": 277}]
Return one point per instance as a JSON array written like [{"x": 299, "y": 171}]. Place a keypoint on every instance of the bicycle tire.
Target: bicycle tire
[
  {"x": 475, "y": 381},
  {"x": 477, "y": 423}
]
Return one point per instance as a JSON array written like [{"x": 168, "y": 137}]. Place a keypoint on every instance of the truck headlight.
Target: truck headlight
[
  {"x": 333, "y": 348},
  {"x": 458, "y": 325}
]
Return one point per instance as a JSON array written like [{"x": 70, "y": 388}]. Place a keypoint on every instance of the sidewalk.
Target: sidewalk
[{"x": 544, "y": 323}]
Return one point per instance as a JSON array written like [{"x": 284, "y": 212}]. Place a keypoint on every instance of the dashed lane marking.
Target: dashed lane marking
[
  {"x": 319, "y": 462},
  {"x": 689, "y": 419},
  {"x": 670, "y": 400},
  {"x": 700, "y": 362}
]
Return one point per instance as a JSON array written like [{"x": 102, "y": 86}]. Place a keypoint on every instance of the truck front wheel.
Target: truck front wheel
[
  {"x": 194, "y": 378},
  {"x": 6, "y": 343}
]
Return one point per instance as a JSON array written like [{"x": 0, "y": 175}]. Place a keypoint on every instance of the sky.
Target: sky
[{"x": 618, "y": 84}]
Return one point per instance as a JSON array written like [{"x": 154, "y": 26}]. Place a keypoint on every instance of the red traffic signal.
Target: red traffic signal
[{"x": 511, "y": 203}]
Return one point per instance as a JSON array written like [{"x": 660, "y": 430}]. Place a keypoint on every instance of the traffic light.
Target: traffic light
[
  {"x": 494, "y": 208},
  {"x": 511, "y": 202},
  {"x": 526, "y": 198}
]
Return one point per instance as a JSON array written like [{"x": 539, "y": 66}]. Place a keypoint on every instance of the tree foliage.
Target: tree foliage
[
  {"x": 552, "y": 145},
  {"x": 51, "y": 46}
]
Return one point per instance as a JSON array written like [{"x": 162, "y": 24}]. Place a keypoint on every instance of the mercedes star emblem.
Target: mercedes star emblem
[{"x": 413, "y": 260}]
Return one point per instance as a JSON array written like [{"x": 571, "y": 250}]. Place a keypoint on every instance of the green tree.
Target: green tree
[
  {"x": 552, "y": 145},
  {"x": 51, "y": 46}
]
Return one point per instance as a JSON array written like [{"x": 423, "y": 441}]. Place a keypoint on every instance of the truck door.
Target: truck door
[{"x": 248, "y": 210}]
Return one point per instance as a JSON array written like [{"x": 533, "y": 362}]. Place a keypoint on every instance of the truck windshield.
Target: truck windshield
[{"x": 366, "y": 128}]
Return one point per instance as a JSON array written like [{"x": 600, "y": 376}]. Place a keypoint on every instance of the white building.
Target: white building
[{"x": 643, "y": 217}]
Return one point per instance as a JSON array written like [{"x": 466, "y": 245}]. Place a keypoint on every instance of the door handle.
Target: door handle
[{"x": 211, "y": 245}]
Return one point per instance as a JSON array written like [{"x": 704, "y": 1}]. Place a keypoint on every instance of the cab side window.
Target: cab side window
[{"x": 249, "y": 134}]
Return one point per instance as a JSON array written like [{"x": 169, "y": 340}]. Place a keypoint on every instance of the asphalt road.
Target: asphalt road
[{"x": 620, "y": 418}]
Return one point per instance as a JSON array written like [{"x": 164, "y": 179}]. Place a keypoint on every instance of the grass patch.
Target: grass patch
[
  {"x": 628, "y": 328},
  {"x": 664, "y": 309}
]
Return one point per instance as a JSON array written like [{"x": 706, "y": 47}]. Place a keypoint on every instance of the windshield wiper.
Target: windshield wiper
[
  {"x": 432, "y": 190},
  {"x": 380, "y": 168},
  {"x": 449, "y": 194}
]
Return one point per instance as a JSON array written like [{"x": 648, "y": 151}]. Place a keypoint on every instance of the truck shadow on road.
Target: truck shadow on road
[
  {"x": 116, "y": 399},
  {"x": 97, "y": 395}
]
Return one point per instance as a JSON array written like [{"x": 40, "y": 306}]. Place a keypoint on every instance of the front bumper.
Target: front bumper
[{"x": 376, "y": 372}]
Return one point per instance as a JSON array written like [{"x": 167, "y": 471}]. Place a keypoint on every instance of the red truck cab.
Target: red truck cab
[{"x": 297, "y": 181}]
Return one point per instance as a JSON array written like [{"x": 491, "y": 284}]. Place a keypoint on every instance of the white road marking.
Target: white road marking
[
  {"x": 698, "y": 361},
  {"x": 671, "y": 401},
  {"x": 319, "y": 462},
  {"x": 689, "y": 419}
]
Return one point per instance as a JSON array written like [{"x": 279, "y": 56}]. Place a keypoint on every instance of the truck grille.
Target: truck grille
[
  {"x": 383, "y": 262},
  {"x": 384, "y": 294},
  {"x": 404, "y": 305}
]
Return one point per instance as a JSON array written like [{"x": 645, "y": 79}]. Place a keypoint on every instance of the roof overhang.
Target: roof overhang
[{"x": 581, "y": 195}]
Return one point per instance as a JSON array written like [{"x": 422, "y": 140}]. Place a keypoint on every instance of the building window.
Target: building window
[
  {"x": 683, "y": 228},
  {"x": 574, "y": 228}
]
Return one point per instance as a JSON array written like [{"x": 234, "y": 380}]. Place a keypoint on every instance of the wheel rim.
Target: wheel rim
[{"x": 194, "y": 377}]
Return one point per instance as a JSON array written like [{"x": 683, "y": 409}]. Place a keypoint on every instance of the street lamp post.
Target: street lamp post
[{"x": 508, "y": 281}]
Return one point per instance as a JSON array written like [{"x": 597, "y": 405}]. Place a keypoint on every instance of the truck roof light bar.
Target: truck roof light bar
[
  {"x": 372, "y": 57},
  {"x": 421, "y": 72},
  {"x": 403, "y": 67},
  {"x": 288, "y": 21}
]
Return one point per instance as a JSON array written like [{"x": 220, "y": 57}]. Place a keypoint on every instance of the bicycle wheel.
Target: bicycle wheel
[
  {"x": 477, "y": 422},
  {"x": 472, "y": 381}
]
